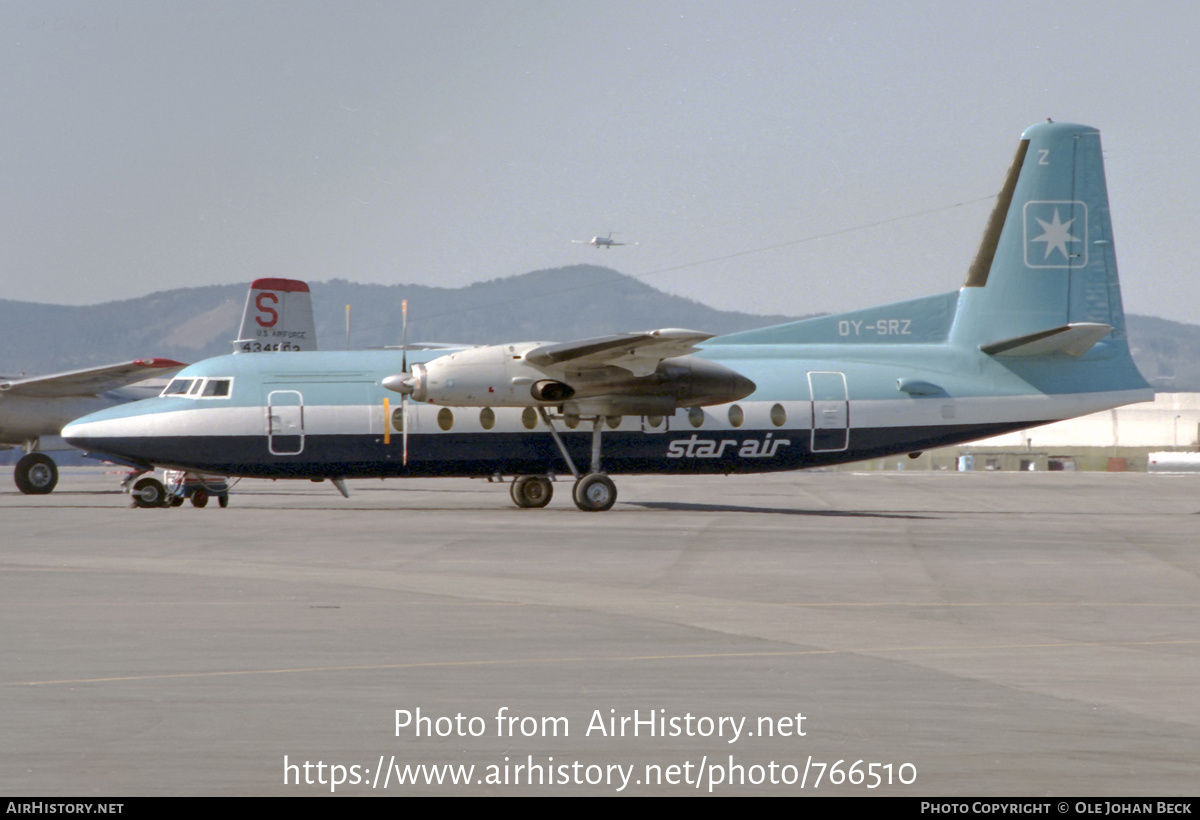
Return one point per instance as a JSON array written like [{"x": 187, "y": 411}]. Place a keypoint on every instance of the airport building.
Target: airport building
[{"x": 1114, "y": 440}]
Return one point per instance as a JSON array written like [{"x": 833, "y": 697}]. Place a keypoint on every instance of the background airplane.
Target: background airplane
[
  {"x": 1036, "y": 334},
  {"x": 34, "y": 409},
  {"x": 278, "y": 318},
  {"x": 600, "y": 241}
]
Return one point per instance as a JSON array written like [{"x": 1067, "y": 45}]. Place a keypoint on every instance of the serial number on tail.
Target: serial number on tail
[{"x": 269, "y": 347}]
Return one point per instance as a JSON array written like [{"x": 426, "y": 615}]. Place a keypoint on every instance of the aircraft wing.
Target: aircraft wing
[
  {"x": 92, "y": 381},
  {"x": 639, "y": 353}
]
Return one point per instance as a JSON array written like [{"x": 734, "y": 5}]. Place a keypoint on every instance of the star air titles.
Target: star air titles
[{"x": 696, "y": 447}]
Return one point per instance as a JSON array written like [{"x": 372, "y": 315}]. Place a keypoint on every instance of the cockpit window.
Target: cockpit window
[
  {"x": 177, "y": 387},
  {"x": 200, "y": 388},
  {"x": 216, "y": 388}
]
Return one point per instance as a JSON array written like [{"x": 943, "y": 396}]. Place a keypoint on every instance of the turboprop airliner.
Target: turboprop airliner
[{"x": 1036, "y": 334}]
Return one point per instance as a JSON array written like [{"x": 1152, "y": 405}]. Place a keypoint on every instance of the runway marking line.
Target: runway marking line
[{"x": 627, "y": 658}]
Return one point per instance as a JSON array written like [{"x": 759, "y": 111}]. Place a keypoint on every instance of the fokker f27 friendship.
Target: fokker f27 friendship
[{"x": 1036, "y": 334}]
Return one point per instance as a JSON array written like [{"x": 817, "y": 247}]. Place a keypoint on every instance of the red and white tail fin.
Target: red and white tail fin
[{"x": 278, "y": 317}]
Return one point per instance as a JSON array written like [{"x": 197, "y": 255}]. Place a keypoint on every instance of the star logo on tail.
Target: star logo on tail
[{"x": 1055, "y": 234}]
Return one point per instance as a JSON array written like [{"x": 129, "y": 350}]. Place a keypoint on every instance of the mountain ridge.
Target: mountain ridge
[{"x": 556, "y": 304}]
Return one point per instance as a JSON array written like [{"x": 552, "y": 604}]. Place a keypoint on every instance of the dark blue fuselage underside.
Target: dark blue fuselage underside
[{"x": 488, "y": 454}]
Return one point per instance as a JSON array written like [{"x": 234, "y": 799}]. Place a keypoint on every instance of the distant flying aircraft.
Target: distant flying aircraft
[
  {"x": 600, "y": 241},
  {"x": 1036, "y": 334}
]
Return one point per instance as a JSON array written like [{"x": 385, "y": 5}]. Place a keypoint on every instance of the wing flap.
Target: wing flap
[{"x": 639, "y": 353}]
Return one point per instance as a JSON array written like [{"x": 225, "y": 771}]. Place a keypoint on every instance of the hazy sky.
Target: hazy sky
[{"x": 152, "y": 145}]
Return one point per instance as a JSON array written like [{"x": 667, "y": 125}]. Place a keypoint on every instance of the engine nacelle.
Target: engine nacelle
[
  {"x": 551, "y": 391},
  {"x": 493, "y": 376},
  {"x": 499, "y": 376}
]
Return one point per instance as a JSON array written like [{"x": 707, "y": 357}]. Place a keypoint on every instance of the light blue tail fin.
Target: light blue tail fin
[
  {"x": 1044, "y": 280},
  {"x": 1041, "y": 298}
]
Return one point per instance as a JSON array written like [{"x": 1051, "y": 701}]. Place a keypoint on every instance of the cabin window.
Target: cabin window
[
  {"x": 613, "y": 422},
  {"x": 654, "y": 421},
  {"x": 571, "y": 421},
  {"x": 778, "y": 415},
  {"x": 736, "y": 416},
  {"x": 529, "y": 418},
  {"x": 695, "y": 416},
  {"x": 445, "y": 418},
  {"x": 487, "y": 418},
  {"x": 398, "y": 419}
]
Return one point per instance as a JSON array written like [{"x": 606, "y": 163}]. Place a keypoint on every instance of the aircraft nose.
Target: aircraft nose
[
  {"x": 87, "y": 435},
  {"x": 106, "y": 434},
  {"x": 76, "y": 434}
]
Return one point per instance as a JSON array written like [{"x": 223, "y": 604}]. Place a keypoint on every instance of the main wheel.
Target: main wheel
[
  {"x": 531, "y": 491},
  {"x": 149, "y": 492},
  {"x": 35, "y": 474},
  {"x": 200, "y": 498},
  {"x": 223, "y": 500},
  {"x": 595, "y": 493}
]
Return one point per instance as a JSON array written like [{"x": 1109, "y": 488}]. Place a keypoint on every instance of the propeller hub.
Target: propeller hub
[
  {"x": 400, "y": 383},
  {"x": 408, "y": 384}
]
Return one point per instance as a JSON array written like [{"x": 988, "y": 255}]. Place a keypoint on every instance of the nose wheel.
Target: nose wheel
[{"x": 149, "y": 492}]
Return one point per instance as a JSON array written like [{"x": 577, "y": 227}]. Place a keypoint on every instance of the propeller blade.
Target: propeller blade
[
  {"x": 404, "y": 335},
  {"x": 404, "y": 363}
]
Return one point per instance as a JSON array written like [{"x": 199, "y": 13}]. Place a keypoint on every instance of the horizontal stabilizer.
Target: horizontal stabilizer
[{"x": 1073, "y": 340}]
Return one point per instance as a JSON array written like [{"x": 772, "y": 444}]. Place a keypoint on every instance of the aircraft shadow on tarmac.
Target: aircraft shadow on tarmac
[{"x": 734, "y": 508}]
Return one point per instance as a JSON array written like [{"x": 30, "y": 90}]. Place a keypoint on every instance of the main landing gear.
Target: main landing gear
[
  {"x": 531, "y": 491},
  {"x": 35, "y": 474},
  {"x": 594, "y": 491}
]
